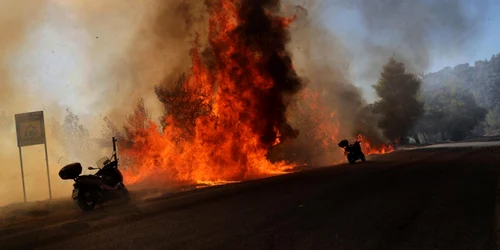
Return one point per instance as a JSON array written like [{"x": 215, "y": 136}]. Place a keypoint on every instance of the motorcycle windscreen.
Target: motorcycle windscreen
[{"x": 100, "y": 162}]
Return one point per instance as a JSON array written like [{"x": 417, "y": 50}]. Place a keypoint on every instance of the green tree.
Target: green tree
[
  {"x": 432, "y": 121},
  {"x": 482, "y": 80},
  {"x": 463, "y": 113},
  {"x": 493, "y": 118},
  {"x": 399, "y": 106},
  {"x": 452, "y": 111}
]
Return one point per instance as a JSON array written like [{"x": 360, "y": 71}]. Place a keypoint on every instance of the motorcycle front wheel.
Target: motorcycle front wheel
[{"x": 85, "y": 204}]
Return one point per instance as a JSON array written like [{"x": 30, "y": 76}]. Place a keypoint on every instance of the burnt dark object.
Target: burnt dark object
[{"x": 352, "y": 151}]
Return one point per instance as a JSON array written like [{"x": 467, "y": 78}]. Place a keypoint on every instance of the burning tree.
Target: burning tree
[
  {"x": 222, "y": 119},
  {"x": 184, "y": 104}
]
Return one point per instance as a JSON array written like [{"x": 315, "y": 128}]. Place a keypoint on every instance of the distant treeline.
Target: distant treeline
[
  {"x": 451, "y": 104},
  {"x": 462, "y": 101}
]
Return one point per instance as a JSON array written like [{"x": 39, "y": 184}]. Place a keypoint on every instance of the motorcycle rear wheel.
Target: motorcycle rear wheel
[
  {"x": 125, "y": 195},
  {"x": 351, "y": 160},
  {"x": 362, "y": 157}
]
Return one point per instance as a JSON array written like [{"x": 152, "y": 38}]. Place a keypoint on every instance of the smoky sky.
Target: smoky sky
[{"x": 412, "y": 31}]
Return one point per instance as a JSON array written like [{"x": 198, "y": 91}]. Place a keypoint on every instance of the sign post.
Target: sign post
[
  {"x": 30, "y": 129},
  {"x": 22, "y": 172}
]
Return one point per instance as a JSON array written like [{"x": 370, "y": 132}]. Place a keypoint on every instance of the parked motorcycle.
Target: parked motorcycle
[
  {"x": 105, "y": 185},
  {"x": 352, "y": 151}
]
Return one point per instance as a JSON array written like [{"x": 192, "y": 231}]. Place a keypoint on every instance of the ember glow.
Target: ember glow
[
  {"x": 224, "y": 117},
  {"x": 214, "y": 183}
]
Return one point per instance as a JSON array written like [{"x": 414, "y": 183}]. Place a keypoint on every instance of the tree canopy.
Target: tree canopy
[
  {"x": 452, "y": 111},
  {"x": 477, "y": 87},
  {"x": 399, "y": 106}
]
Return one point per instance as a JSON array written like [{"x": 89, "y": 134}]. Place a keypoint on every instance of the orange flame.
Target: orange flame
[
  {"x": 227, "y": 142},
  {"x": 370, "y": 149},
  {"x": 230, "y": 114}
]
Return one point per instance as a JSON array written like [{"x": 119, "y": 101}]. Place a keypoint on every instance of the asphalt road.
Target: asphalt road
[{"x": 432, "y": 198}]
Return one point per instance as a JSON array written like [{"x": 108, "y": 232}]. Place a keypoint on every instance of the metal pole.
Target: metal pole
[
  {"x": 22, "y": 172},
  {"x": 114, "y": 149},
  {"x": 48, "y": 172}
]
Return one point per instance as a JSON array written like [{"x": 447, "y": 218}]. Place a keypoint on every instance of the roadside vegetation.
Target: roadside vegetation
[{"x": 452, "y": 104}]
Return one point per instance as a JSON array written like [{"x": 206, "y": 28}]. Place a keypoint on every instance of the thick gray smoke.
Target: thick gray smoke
[
  {"x": 93, "y": 57},
  {"x": 334, "y": 60},
  {"x": 17, "y": 19},
  {"x": 156, "y": 50},
  {"x": 14, "y": 27},
  {"x": 416, "y": 32},
  {"x": 119, "y": 50}
]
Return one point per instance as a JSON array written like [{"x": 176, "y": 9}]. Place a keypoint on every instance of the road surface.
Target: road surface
[{"x": 430, "y": 198}]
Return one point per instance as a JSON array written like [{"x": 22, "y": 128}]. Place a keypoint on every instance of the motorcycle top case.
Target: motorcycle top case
[{"x": 70, "y": 171}]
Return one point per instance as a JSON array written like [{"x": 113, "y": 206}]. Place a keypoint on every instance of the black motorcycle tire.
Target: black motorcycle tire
[
  {"x": 351, "y": 160},
  {"x": 86, "y": 205},
  {"x": 125, "y": 195},
  {"x": 362, "y": 157}
]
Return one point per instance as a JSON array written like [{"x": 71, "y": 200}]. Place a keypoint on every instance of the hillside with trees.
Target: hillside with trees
[{"x": 461, "y": 101}]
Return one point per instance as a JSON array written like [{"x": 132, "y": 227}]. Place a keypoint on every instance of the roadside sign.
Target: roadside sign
[{"x": 30, "y": 129}]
